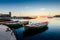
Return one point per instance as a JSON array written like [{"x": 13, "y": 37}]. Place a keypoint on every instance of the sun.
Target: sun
[{"x": 38, "y": 17}]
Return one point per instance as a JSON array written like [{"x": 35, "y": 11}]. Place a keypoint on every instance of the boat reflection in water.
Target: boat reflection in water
[
  {"x": 28, "y": 33},
  {"x": 22, "y": 33}
]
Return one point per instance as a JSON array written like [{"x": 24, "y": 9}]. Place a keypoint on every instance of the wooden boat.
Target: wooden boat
[
  {"x": 28, "y": 33},
  {"x": 15, "y": 25},
  {"x": 11, "y": 24},
  {"x": 23, "y": 22},
  {"x": 36, "y": 26}
]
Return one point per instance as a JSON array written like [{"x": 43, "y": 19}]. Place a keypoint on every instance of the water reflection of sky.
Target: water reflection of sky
[{"x": 53, "y": 32}]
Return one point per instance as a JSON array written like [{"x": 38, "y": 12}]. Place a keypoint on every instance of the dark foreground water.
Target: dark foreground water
[{"x": 51, "y": 32}]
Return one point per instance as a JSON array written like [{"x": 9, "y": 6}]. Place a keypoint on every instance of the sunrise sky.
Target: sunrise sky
[{"x": 30, "y": 7}]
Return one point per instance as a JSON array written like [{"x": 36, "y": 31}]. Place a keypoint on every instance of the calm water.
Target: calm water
[{"x": 50, "y": 33}]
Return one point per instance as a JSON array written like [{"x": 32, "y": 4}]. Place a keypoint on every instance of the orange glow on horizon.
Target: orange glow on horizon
[{"x": 41, "y": 15}]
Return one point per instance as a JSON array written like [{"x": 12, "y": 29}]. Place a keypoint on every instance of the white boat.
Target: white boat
[
  {"x": 6, "y": 33},
  {"x": 35, "y": 26}
]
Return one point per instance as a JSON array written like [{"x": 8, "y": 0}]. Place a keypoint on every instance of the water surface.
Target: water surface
[{"x": 52, "y": 33}]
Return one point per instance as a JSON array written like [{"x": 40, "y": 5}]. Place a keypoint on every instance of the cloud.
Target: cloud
[{"x": 42, "y": 9}]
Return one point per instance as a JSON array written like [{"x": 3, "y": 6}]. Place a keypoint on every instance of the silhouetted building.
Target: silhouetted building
[
  {"x": 5, "y": 17},
  {"x": 10, "y": 14}
]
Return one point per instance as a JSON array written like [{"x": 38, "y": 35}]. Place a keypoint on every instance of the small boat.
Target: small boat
[
  {"x": 23, "y": 22},
  {"x": 11, "y": 24},
  {"x": 36, "y": 26},
  {"x": 28, "y": 33},
  {"x": 14, "y": 24}
]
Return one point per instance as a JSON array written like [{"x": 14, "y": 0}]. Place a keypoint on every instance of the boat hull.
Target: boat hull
[
  {"x": 14, "y": 26},
  {"x": 30, "y": 32},
  {"x": 35, "y": 28}
]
